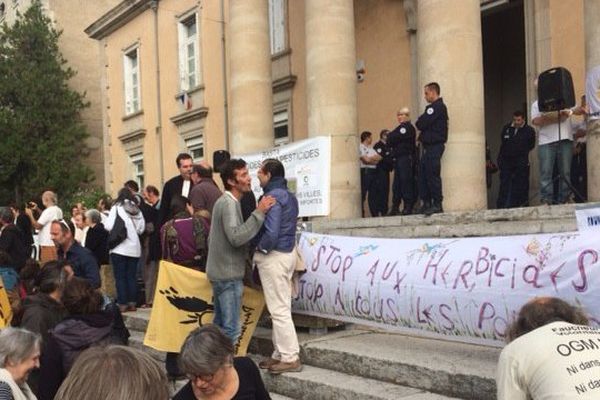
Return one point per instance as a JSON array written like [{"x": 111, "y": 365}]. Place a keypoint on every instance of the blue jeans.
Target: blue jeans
[
  {"x": 125, "y": 270},
  {"x": 227, "y": 298},
  {"x": 560, "y": 153}
]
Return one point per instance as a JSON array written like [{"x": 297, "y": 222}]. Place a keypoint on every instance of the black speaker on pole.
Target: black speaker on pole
[
  {"x": 555, "y": 90},
  {"x": 220, "y": 157}
]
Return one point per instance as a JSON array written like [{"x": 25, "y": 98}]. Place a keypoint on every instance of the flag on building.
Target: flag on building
[
  {"x": 186, "y": 100},
  {"x": 183, "y": 302}
]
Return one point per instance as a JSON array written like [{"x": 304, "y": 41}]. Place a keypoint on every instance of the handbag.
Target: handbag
[{"x": 117, "y": 234}]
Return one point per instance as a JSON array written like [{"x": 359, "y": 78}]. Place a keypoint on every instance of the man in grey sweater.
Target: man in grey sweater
[{"x": 228, "y": 245}]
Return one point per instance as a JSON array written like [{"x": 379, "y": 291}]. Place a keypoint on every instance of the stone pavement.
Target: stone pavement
[{"x": 360, "y": 363}]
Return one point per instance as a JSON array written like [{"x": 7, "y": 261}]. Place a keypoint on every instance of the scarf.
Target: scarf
[{"x": 19, "y": 392}]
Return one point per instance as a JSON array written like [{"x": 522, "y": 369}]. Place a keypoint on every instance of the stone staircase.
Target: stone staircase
[{"x": 364, "y": 364}]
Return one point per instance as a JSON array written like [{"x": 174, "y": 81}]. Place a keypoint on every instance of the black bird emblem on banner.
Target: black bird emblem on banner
[{"x": 195, "y": 306}]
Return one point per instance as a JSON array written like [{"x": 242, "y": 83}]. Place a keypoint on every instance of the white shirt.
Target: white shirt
[
  {"x": 592, "y": 91},
  {"x": 50, "y": 214},
  {"x": 185, "y": 189},
  {"x": 549, "y": 133},
  {"x": 549, "y": 363},
  {"x": 368, "y": 152},
  {"x": 135, "y": 225}
]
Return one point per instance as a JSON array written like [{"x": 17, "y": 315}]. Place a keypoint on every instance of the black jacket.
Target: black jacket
[
  {"x": 11, "y": 241},
  {"x": 24, "y": 224},
  {"x": 96, "y": 241},
  {"x": 402, "y": 140},
  {"x": 516, "y": 144},
  {"x": 40, "y": 313},
  {"x": 433, "y": 123},
  {"x": 387, "y": 160},
  {"x": 66, "y": 341},
  {"x": 172, "y": 187},
  {"x": 83, "y": 262}
]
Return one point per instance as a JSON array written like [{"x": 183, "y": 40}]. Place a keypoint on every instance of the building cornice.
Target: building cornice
[
  {"x": 284, "y": 83},
  {"x": 133, "y": 136},
  {"x": 117, "y": 17},
  {"x": 188, "y": 116}
]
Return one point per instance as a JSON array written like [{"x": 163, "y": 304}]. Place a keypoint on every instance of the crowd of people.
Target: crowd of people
[
  {"x": 413, "y": 153},
  {"x": 94, "y": 266}
]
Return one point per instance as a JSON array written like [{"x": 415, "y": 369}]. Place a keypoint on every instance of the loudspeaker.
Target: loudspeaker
[
  {"x": 555, "y": 90},
  {"x": 220, "y": 157}
]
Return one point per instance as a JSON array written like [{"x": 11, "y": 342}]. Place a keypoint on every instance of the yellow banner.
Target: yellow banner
[
  {"x": 183, "y": 302},
  {"x": 6, "y": 313}
]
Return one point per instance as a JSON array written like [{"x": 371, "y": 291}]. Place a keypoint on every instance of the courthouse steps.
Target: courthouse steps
[
  {"x": 516, "y": 221},
  {"x": 366, "y": 364}
]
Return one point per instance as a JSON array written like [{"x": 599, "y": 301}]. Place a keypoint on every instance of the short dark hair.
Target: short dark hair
[
  {"x": 519, "y": 113},
  {"x": 80, "y": 297},
  {"x": 365, "y": 135},
  {"x": 50, "y": 277},
  {"x": 182, "y": 156},
  {"x": 383, "y": 132},
  {"x": 178, "y": 205},
  {"x": 132, "y": 185},
  {"x": 434, "y": 86},
  {"x": 274, "y": 167},
  {"x": 152, "y": 189},
  {"x": 542, "y": 311},
  {"x": 202, "y": 171},
  {"x": 228, "y": 170}
]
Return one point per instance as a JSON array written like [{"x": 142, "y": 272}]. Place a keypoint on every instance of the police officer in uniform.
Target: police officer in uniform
[
  {"x": 518, "y": 139},
  {"x": 382, "y": 171},
  {"x": 433, "y": 127},
  {"x": 403, "y": 146}
]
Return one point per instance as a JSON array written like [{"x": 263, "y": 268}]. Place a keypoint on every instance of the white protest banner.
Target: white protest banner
[
  {"x": 307, "y": 169},
  {"x": 588, "y": 217},
  {"x": 466, "y": 289}
]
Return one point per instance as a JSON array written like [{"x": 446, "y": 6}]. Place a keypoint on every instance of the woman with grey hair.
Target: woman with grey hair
[
  {"x": 207, "y": 360},
  {"x": 19, "y": 355},
  {"x": 115, "y": 372}
]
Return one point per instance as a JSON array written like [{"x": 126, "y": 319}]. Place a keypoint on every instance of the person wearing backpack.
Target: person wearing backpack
[{"x": 124, "y": 223}]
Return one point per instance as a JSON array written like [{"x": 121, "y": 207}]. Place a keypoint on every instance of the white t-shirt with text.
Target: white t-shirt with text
[{"x": 559, "y": 361}]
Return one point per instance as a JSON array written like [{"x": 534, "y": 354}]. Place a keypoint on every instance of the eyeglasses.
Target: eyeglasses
[
  {"x": 204, "y": 378},
  {"x": 208, "y": 377}
]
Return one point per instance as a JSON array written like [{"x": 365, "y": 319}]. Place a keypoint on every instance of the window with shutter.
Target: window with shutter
[
  {"x": 131, "y": 73},
  {"x": 188, "y": 53},
  {"x": 277, "y": 25},
  {"x": 137, "y": 163}
]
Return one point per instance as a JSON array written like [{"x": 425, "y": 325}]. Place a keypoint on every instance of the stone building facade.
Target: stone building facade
[
  {"x": 72, "y": 16},
  {"x": 199, "y": 76}
]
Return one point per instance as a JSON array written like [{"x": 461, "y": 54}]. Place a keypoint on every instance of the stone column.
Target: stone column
[
  {"x": 592, "y": 52},
  {"x": 331, "y": 96},
  {"x": 450, "y": 53},
  {"x": 251, "y": 88}
]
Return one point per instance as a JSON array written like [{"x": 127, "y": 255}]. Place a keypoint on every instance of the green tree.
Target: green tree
[{"x": 42, "y": 136}]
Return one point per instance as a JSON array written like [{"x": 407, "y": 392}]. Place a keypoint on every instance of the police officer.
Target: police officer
[
  {"x": 518, "y": 139},
  {"x": 433, "y": 127},
  {"x": 382, "y": 172},
  {"x": 402, "y": 143}
]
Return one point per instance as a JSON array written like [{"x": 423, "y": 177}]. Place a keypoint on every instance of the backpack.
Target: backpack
[{"x": 117, "y": 234}]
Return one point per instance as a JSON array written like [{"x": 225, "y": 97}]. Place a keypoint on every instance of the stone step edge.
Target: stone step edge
[
  {"x": 312, "y": 382},
  {"x": 430, "y": 380}
]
